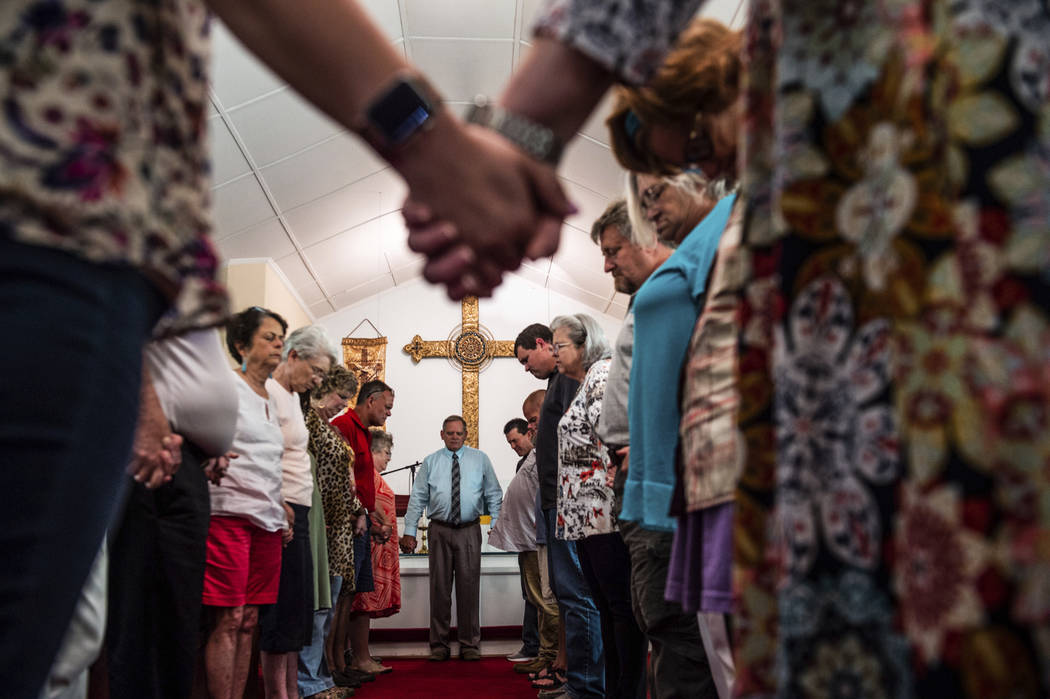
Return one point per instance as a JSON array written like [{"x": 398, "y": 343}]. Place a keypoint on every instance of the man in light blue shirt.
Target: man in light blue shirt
[{"x": 455, "y": 486}]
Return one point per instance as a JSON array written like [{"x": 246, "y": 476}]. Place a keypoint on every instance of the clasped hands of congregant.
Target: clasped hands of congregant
[{"x": 496, "y": 207}]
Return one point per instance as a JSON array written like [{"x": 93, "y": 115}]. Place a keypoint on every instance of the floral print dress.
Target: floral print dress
[
  {"x": 893, "y": 511},
  {"x": 584, "y": 500}
]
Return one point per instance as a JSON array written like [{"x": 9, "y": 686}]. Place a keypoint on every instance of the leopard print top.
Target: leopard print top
[{"x": 335, "y": 478}]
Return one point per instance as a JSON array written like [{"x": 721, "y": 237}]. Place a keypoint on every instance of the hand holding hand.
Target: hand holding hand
[
  {"x": 408, "y": 544},
  {"x": 477, "y": 206},
  {"x": 216, "y": 467},
  {"x": 289, "y": 518},
  {"x": 360, "y": 525},
  {"x": 155, "y": 457}
]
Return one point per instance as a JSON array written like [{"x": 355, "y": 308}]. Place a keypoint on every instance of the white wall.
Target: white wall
[{"x": 427, "y": 392}]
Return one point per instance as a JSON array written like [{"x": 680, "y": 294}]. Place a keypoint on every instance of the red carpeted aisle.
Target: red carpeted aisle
[{"x": 490, "y": 677}]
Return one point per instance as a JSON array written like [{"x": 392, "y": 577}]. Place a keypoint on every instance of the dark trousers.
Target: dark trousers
[
  {"x": 455, "y": 554},
  {"x": 156, "y": 579},
  {"x": 69, "y": 393},
  {"x": 287, "y": 626},
  {"x": 679, "y": 664},
  {"x": 607, "y": 566}
]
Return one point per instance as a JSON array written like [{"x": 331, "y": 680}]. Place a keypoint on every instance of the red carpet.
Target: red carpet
[{"x": 489, "y": 677}]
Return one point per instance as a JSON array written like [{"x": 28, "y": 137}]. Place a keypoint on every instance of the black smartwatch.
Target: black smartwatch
[{"x": 398, "y": 114}]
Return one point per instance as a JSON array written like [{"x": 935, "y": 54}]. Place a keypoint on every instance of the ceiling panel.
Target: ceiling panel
[
  {"x": 321, "y": 308},
  {"x": 237, "y": 76},
  {"x": 320, "y": 170},
  {"x": 227, "y": 160},
  {"x": 240, "y": 204},
  {"x": 529, "y": 9},
  {"x": 333, "y": 214},
  {"x": 350, "y": 258},
  {"x": 536, "y": 275},
  {"x": 592, "y": 164},
  {"x": 279, "y": 125},
  {"x": 386, "y": 14},
  {"x": 595, "y": 126},
  {"x": 267, "y": 239},
  {"x": 590, "y": 204},
  {"x": 407, "y": 273},
  {"x": 463, "y": 69},
  {"x": 301, "y": 280},
  {"x": 595, "y": 301},
  {"x": 359, "y": 293},
  {"x": 486, "y": 19}
]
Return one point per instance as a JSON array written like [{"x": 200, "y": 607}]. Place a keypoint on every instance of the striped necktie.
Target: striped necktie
[{"x": 454, "y": 518}]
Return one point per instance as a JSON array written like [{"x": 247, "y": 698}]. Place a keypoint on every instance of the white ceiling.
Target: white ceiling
[{"x": 293, "y": 185}]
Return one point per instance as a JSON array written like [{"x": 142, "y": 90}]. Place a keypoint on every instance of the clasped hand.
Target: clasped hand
[{"x": 477, "y": 207}]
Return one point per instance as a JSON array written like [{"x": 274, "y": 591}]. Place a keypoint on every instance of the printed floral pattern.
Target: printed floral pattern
[
  {"x": 102, "y": 141},
  {"x": 829, "y": 430},
  {"x": 584, "y": 500}
]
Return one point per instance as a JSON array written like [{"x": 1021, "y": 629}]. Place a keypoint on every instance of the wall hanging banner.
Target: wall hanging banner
[{"x": 366, "y": 357}]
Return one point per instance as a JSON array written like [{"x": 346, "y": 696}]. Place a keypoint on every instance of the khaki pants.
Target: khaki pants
[
  {"x": 546, "y": 607},
  {"x": 455, "y": 554}
]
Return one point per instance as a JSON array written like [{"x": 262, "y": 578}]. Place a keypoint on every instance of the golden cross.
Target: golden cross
[{"x": 471, "y": 350}]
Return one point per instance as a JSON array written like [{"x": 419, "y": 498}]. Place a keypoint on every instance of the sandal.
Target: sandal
[{"x": 549, "y": 678}]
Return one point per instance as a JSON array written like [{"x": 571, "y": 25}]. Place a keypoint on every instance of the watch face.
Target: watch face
[{"x": 399, "y": 113}]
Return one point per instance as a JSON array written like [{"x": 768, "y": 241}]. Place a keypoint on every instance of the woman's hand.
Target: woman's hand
[
  {"x": 216, "y": 467},
  {"x": 289, "y": 518}
]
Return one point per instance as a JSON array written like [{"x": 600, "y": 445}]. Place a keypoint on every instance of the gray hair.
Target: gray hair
[
  {"x": 381, "y": 439},
  {"x": 615, "y": 215},
  {"x": 584, "y": 332},
  {"x": 691, "y": 184},
  {"x": 308, "y": 342}
]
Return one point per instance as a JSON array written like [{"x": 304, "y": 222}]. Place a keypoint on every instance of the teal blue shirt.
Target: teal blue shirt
[
  {"x": 478, "y": 488},
  {"x": 665, "y": 311}
]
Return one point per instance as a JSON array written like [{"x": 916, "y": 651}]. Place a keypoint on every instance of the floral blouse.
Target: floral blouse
[
  {"x": 103, "y": 149},
  {"x": 584, "y": 500}
]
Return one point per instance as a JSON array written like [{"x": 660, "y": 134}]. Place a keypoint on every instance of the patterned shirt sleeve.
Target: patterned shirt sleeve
[{"x": 627, "y": 37}]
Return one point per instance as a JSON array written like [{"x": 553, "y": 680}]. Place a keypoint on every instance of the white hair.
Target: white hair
[
  {"x": 585, "y": 333},
  {"x": 691, "y": 184},
  {"x": 308, "y": 342}
]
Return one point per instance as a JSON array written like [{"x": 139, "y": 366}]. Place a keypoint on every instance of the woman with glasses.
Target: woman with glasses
[
  {"x": 243, "y": 559},
  {"x": 585, "y": 503},
  {"x": 385, "y": 599},
  {"x": 287, "y": 626}
]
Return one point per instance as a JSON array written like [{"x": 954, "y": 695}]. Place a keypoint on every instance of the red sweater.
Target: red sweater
[{"x": 360, "y": 440}]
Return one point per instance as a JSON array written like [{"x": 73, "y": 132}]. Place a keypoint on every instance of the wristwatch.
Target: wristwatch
[
  {"x": 535, "y": 139},
  {"x": 403, "y": 110}
]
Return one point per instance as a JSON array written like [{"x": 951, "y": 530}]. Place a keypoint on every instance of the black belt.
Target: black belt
[{"x": 461, "y": 525}]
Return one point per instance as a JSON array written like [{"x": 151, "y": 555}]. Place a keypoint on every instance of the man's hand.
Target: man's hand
[
  {"x": 408, "y": 544},
  {"x": 216, "y": 467},
  {"x": 157, "y": 452}
]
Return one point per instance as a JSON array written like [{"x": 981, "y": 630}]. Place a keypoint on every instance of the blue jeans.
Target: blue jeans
[
  {"x": 70, "y": 371},
  {"x": 583, "y": 626},
  {"x": 314, "y": 674}
]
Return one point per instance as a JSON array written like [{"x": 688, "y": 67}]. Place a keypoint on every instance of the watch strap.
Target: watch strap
[{"x": 535, "y": 139}]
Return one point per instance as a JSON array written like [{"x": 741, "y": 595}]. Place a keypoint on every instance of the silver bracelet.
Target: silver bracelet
[{"x": 535, "y": 139}]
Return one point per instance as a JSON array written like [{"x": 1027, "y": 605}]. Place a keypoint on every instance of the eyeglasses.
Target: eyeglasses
[
  {"x": 609, "y": 253},
  {"x": 557, "y": 346},
  {"x": 652, "y": 194},
  {"x": 319, "y": 372}
]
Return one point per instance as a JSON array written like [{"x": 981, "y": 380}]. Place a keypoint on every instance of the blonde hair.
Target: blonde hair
[{"x": 700, "y": 74}]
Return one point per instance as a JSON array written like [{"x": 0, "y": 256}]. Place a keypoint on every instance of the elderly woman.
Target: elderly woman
[
  {"x": 243, "y": 564},
  {"x": 287, "y": 626},
  {"x": 585, "y": 503},
  {"x": 342, "y": 520},
  {"x": 385, "y": 600}
]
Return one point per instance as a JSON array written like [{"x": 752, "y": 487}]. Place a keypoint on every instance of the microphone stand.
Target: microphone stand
[{"x": 411, "y": 475}]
